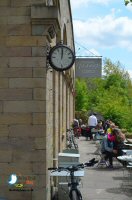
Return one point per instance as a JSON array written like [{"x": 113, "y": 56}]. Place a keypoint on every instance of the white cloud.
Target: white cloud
[
  {"x": 79, "y": 3},
  {"x": 129, "y": 7},
  {"x": 130, "y": 73},
  {"x": 108, "y": 31}
]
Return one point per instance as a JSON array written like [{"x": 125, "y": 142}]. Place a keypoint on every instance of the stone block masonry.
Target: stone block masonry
[
  {"x": 22, "y": 98},
  {"x": 34, "y": 110},
  {"x": 27, "y": 41}
]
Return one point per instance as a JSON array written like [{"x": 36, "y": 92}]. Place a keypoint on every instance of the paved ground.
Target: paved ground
[{"x": 102, "y": 183}]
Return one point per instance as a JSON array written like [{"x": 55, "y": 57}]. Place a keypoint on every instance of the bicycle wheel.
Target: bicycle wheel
[
  {"x": 75, "y": 143},
  {"x": 74, "y": 195}
]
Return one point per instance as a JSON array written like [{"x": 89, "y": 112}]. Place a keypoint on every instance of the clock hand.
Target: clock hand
[
  {"x": 61, "y": 53},
  {"x": 61, "y": 64}
]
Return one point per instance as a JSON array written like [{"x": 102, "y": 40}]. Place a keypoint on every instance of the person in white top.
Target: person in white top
[
  {"x": 92, "y": 123},
  {"x": 92, "y": 120}
]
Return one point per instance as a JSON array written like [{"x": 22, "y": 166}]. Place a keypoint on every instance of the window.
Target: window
[{"x": 49, "y": 3}]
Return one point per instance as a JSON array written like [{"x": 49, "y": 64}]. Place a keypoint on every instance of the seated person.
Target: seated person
[
  {"x": 110, "y": 129},
  {"x": 99, "y": 128},
  {"x": 88, "y": 132},
  {"x": 119, "y": 143},
  {"x": 76, "y": 127},
  {"x": 108, "y": 146},
  {"x": 106, "y": 126}
]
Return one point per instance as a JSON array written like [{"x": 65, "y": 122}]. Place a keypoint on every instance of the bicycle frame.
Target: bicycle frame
[
  {"x": 73, "y": 185},
  {"x": 74, "y": 192},
  {"x": 70, "y": 137}
]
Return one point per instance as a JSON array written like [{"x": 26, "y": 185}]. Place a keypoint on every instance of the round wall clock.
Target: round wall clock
[{"x": 61, "y": 57}]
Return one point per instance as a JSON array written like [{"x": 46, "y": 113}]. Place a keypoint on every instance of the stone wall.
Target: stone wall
[{"x": 36, "y": 102}]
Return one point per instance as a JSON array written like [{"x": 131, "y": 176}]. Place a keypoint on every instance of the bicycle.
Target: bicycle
[
  {"x": 71, "y": 142},
  {"x": 74, "y": 192}
]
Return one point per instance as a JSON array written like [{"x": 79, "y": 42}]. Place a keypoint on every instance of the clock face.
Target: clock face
[{"x": 61, "y": 57}]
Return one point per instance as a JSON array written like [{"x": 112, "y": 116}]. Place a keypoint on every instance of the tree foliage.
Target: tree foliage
[
  {"x": 127, "y": 2},
  {"x": 111, "y": 95},
  {"x": 81, "y": 101}
]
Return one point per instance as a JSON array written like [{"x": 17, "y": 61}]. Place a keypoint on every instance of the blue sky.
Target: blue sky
[{"x": 103, "y": 27}]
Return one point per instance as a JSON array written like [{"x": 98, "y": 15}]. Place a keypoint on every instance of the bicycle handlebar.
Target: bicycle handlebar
[{"x": 91, "y": 163}]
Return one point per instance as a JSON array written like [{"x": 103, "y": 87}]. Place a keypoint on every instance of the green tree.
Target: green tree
[
  {"x": 127, "y": 2},
  {"x": 116, "y": 101},
  {"x": 81, "y": 101},
  {"x": 111, "y": 95}
]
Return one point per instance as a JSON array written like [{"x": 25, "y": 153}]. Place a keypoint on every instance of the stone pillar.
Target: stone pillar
[{"x": 45, "y": 22}]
